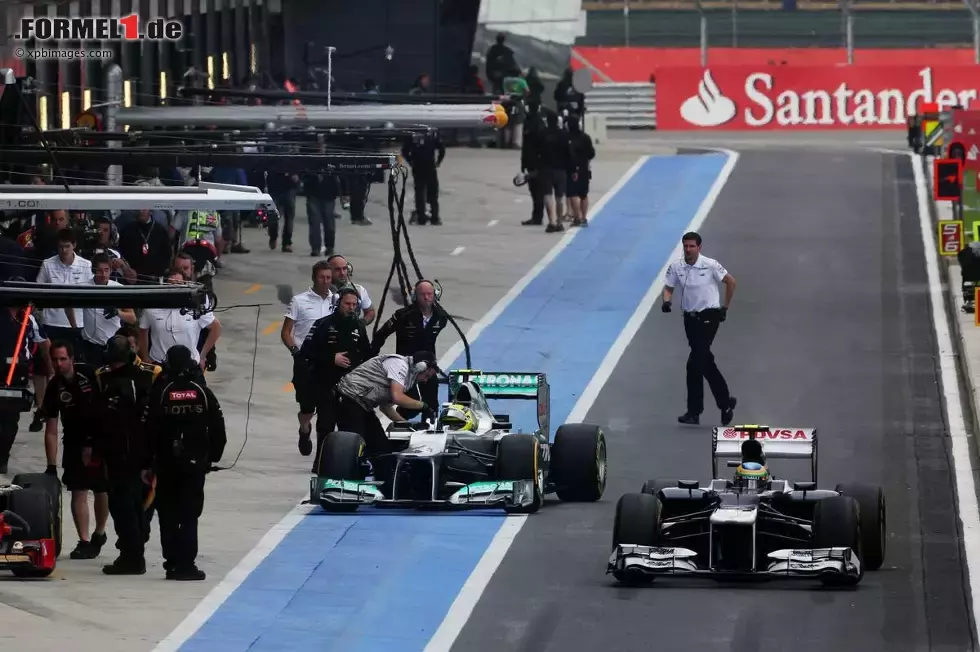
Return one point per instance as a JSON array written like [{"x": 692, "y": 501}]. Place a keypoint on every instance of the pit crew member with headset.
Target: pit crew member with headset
[
  {"x": 107, "y": 239},
  {"x": 304, "y": 310},
  {"x": 169, "y": 326},
  {"x": 121, "y": 442},
  {"x": 184, "y": 265},
  {"x": 102, "y": 323},
  {"x": 382, "y": 382},
  {"x": 342, "y": 273},
  {"x": 34, "y": 339},
  {"x": 73, "y": 396},
  {"x": 416, "y": 328},
  {"x": 336, "y": 344},
  {"x": 186, "y": 430}
]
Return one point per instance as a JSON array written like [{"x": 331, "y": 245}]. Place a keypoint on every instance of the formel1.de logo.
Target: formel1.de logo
[{"x": 125, "y": 28}]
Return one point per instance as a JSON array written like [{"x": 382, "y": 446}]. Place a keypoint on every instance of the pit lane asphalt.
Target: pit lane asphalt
[
  {"x": 81, "y": 609},
  {"x": 830, "y": 327}
]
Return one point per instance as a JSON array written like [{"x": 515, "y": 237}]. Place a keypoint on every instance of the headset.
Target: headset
[
  {"x": 350, "y": 268},
  {"x": 427, "y": 362},
  {"x": 436, "y": 289}
]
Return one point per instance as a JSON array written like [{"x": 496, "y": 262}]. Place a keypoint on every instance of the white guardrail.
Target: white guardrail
[{"x": 624, "y": 105}]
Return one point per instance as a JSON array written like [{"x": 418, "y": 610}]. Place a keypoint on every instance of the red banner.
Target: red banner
[{"x": 806, "y": 97}]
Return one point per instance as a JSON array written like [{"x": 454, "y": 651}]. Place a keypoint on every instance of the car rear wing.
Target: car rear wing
[
  {"x": 516, "y": 385},
  {"x": 777, "y": 443}
]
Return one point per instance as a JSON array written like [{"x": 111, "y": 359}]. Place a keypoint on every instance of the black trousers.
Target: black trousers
[
  {"x": 537, "y": 186},
  {"x": 9, "y": 423},
  {"x": 126, "y": 509},
  {"x": 351, "y": 417},
  {"x": 286, "y": 206},
  {"x": 358, "y": 189},
  {"x": 326, "y": 410},
  {"x": 179, "y": 504},
  {"x": 701, "y": 329},
  {"x": 426, "y": 182}
]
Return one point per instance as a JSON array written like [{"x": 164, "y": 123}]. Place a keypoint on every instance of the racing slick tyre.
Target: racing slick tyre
[
  {"x": 637, "y": 523},
  {"x": 578, "y": 462},
  {"x": 519, "y": 458},
  {"x": 52, "y": 485},
  {"x": 837, "y": 524},
  {"x": 37, "y": 509},
  {"x": 340, "y": 459},
  {"x": 871, "y": 505}
]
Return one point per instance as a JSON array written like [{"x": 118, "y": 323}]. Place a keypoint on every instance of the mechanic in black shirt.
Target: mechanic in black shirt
[
  {"x": 557, "y": 150},
  {"x": 145, "y": 245},
  {"x": 580, "y": 154},
  {"x": 536, "y": 164},
  {"x": 416, "y": 328},
  {"x": 120, "y": 441},
  {"x": 424, "y": 153},
  {"x": 186, "y": 429},
  {"x": 72, "y": 395},
  {"x": 336, "y": 344}
]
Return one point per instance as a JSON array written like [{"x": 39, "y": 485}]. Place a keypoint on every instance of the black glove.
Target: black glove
[
  {"x": 428, "y": 414},
  {"x": 51, "y": 470},
  {"x": 722, "y": 314},
  {"x": 666, "y": 306}
]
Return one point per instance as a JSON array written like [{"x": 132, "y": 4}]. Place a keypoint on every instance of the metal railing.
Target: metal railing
[{"x": 624, "y": 105}]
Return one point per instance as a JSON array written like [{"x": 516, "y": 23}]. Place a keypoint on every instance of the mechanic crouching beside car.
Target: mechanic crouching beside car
[
  {"x": 336, "y": 344},
  {"x": 186, "y": 430},
  {"x": 120, "y": 441},
  {"x": 382, "y": 382}
]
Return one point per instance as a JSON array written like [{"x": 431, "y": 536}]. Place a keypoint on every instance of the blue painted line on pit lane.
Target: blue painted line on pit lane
[{"x": 377, "y": 582}]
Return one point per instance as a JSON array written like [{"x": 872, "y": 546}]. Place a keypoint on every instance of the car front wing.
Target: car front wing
[
  {"x": 479, "y": 495},
  {"x": 801, "y": 563}
]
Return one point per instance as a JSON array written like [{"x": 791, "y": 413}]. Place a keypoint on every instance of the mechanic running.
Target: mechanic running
[
  {"x": 416, "y": 328},
  {"x": 124, "y": 386},
  {"x": 99, "y": 324},
  {"x": 72, "y": 395},
  {"x": 381, "y": 383},
  {"x": 186, "y": 430},
  {"x": 698, "y": 277},
  {"x": 342, "y": 273},
  {"x": 304, "y": 310},
  {"x": 336, "y": 345}
]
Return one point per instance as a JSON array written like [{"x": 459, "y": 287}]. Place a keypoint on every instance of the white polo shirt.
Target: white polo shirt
[
  {"x": 305, "y": 308},
  {"x": 168, "y": 328},
  {"x": 698, "y": 283},
  {"x": 54, "y": 271},
  {"x": 97, "y": 329},
  {"x": 365, "y": 298}
]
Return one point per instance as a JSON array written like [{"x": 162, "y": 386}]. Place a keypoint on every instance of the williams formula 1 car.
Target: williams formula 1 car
[
  {"x": 752, "y": 525},
  {"x": 470, "y": 458}
]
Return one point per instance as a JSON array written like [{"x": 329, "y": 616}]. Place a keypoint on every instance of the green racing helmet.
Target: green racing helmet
[{"x": 751, "y": 475}]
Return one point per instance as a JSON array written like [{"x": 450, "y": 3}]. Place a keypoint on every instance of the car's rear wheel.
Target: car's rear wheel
[
  {"x": 874, "y": 529},
  {"x": 836, "y": 524},
  {"x": 637, "y": 523},
  {"x": 578, "y": 462},
  {"x": 519, "y": 458},
  {"x": 38, "y": 511},
  {"x": 52, "y": 485},
  {"x": 340, "y": 459}
]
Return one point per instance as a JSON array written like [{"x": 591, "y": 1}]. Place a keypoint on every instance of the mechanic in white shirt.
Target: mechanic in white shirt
[
  {"x": 342, "y": 272},
  {"x": 698, "y": 278},
  {"x": 102, "y": 323},
  {"x": 166, "y": 327},
  {"x": 67, "y": 268},
  {"x": 303, "y": 311}
]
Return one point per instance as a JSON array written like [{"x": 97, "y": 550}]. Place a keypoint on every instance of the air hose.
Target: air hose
[{"x": 399, "y": 229}]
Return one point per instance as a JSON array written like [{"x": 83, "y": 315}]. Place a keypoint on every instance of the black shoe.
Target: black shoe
[
  {"x": 305, "y": 443},
  {"x": 728, "y": 413},
  {"x": 532, "y": 223},
  {"x": 84, "y": 550},
  {"x": 187, "y": 574},
  {"x": 123, "y": 566},
  {"x": 436, "y": 221},
  {"x": 96, "y": 542},
  {"x": 689, "y": 419},
  {"x": 554, "y": 228},
  {"x": 37, "y": 424}
]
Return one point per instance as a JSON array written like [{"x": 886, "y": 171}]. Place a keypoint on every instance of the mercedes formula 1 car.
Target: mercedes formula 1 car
[
  {"x": 470, "y": 458},
  {"x": 752, "y": 525}
]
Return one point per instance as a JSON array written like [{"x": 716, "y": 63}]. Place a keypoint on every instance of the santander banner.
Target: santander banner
[{"x": 806, "y": 97}]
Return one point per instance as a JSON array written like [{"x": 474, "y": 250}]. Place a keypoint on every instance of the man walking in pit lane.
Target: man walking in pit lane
[
  {"x": 336, "y": 345},
  {"x": 698, "y": 277},
  {"x": 304, "y": 310},
  {"x": 342, "y": 273}
]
